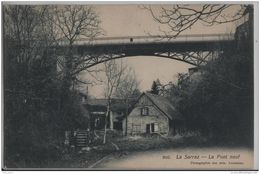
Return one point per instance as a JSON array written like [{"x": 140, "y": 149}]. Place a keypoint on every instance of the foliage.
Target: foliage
[
  {"x": 155, "y": 88},
  {"x": 219, "y": 101},
  {"x": 35, "y": 114},
  {"x": 30, "y": 89}
]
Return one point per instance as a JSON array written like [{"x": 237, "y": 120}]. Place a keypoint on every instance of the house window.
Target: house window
[
  {"x": 151, "y": 128},
  {"x": 144, "y": 111},
  {"x": 154, "y": 127}
]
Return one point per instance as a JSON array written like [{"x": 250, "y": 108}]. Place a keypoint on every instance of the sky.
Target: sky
[{"x": 132, "y": 20}]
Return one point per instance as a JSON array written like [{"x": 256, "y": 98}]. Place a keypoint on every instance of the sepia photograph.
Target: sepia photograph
[{"x": 129, "y": 86}]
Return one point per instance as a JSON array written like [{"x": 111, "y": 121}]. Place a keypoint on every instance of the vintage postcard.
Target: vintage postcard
[{"x": 137, "y": 86}]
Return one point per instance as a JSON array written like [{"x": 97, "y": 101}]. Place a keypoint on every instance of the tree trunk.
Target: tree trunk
[
  {"x": 105, "y": 129},
  {"x": 65, "y": 97},
  {"x": 111, "y": 124}
]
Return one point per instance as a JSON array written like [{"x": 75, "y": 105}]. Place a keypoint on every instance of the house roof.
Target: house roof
[
  {"x": 164, "y": 105},
  {"x": 97, "y": 102},
  {"x": 116, "y": 104}
]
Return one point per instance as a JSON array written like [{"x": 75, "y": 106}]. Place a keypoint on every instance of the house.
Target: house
[
  {"x": 98, "y": 108},
  {"x": 152, "y": 114}
]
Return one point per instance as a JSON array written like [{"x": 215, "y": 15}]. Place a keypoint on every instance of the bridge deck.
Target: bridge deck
[{"x": 152, "y": 39}]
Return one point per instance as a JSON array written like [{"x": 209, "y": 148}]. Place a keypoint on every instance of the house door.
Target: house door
[
  {"x": 152, "y": 127},
  {"x": 148, "y": 128}
]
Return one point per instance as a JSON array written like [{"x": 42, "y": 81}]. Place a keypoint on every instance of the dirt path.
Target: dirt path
[
  {"x": 99, "y": 161},
  {"x": 196, "y": 158}
]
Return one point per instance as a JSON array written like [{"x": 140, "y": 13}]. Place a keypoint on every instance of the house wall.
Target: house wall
[{"x": 136, "y": 123}]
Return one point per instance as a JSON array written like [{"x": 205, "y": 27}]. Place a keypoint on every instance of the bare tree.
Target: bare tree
[
  {"x": 179, "y": 18},
  {"x": 127, "y": 89},
  {"x": 113, "y": 75},
  {"x": 70, "y": 23},
  {"x": 128, "y": 85},
  {"x": 27, "y": 48},
  {"x": 26, "y": 27}
]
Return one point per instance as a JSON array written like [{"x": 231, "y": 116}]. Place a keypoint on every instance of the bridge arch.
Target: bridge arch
[{"x": 193, "y": 58}]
